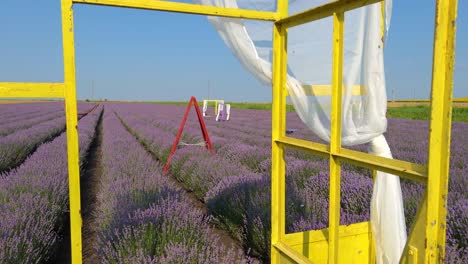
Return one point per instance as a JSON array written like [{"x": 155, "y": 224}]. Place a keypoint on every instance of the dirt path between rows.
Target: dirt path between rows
[
  {"x": 50, "y": 138},
  {"x": 89, "y": 187},
  {"x": 224, "y": 237}
]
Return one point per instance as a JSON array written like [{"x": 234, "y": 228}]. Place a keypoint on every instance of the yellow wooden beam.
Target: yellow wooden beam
[
  {"x": 278, "y": 130},
  {"x": 326, "y": 90},
  {"x": 454, "y": 100},
  {"x": 400, "y": 168},
  {"x": 355, "y": 244},
  {"x": 31, "y": 90},
  {"x": 440, "y": 129},
  {"x": 311, "y": 236},
  {"x": 291, "y": 253},
  {"x": 323, "y": 11},
  {"x": 215, "y": 105},
  {"x": 71, "y": 113},
  {"x": 177, "y": 7},
  {"x": 415, "y": 245},
  {"x": 382, "y": 21},
  {"x": 335, "y": 138},
  {"x": 305, "y": 145}
]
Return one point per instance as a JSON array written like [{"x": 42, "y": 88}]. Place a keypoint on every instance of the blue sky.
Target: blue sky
[{"x": 144, "y": 55}]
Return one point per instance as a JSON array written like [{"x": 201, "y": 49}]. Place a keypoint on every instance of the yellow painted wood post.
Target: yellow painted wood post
[
  {"x": 72, "y": 130},
  {"x": 374, "y": 172},
  {"x": 173, "y": 6},
  {"x": 335, "y": 138},
  {"x": 440, "y": 128},
  {"x": 31, "y": 90},
  {"x": 278, "y": 166},
  {"x": 382, "y": 37},
  {"x": 382, "y": 21}
]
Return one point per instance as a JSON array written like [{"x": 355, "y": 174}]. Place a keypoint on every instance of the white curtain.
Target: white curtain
[{"x": 310, "y": 63}]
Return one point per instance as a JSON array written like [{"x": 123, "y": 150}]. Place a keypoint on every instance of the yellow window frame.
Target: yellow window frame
[
  {"x": 215, "y": 101},
  {"x": 426, "y": 243}
]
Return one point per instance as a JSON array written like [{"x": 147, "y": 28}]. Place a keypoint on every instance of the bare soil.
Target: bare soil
[
  {"x": 89, "y": 189},
  {"x": 224, "y": 238}
]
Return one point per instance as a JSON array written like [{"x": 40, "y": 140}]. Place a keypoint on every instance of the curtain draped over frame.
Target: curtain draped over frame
[{"x": 364, "y": 96}]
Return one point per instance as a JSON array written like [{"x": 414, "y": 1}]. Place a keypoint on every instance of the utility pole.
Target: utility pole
[{"x": 92, "y": 90}]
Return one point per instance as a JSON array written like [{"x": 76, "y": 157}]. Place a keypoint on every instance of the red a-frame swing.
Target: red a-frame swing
[{"x": 206, "y": 137}]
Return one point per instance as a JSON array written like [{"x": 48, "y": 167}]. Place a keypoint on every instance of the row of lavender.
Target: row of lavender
[
  {"x": 142, "y": 217},
  {"x": 11, "y": 112},
  {"x": 240, "y": 171},
  {"x": 236, "y": 194},
  {"x": 27, "y": 120},
  {"x": 25, "y": 133},
  {"x": 408, "y": 140},
  {"x": 34, "y": 199}
]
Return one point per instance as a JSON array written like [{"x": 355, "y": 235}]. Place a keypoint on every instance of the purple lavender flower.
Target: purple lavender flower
[{"x": 34, "y": 199}]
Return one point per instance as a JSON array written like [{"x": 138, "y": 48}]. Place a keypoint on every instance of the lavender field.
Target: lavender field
[{"x": 210, "y": 208}]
